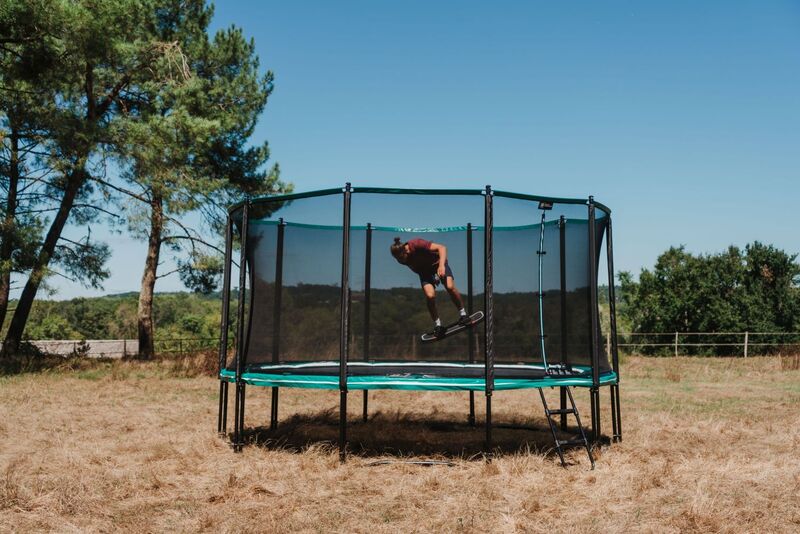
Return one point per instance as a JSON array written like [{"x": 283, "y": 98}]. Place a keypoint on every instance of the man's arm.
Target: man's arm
[{"x": 442, "y": 250}]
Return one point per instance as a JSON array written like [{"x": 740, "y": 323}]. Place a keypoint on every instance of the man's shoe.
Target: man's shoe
[
  {"x": 439, "y": 331},
  {"x": 464, "y": 320}
]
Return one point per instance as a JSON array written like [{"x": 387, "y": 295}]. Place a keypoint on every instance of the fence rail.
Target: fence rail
[
  {"x": 678, "y": 343},
  {"x": 746, "y": 341}
]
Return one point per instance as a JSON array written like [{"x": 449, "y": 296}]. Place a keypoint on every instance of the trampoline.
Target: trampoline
[{"x": 321, "y": 302}]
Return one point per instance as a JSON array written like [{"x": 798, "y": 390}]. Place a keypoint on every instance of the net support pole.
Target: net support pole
[
  {"x": 240, "y": 341},
  {"x": 367, "y": 304},
  {"x": 222, "y": 416},
  {"x": 470, "y": 310},
  {"x": 594, "y": 319},
  {"x": 540, "y": 253},
  {"x": 276, "y": 318},
  {"x": 562, "y": 261},
  {"x": 616, "y": 416},
  {"x": 345, "y": 327},
  {"x": 488, "y": 298}
]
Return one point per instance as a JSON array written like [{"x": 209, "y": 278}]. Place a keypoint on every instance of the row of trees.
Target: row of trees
[
  {"x": 755, "y": 290},
  {"x": 124, "y": 113},
  {"x": 175, "y": 315}
]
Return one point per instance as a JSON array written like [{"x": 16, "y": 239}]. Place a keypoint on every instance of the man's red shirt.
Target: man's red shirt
[{"x": 421, "y": 259}]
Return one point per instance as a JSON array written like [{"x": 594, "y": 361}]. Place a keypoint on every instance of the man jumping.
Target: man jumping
[{"x": 429, "y": 261}]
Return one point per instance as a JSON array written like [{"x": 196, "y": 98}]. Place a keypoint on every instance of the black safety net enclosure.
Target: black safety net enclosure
[{"x": 322, "y": 302}]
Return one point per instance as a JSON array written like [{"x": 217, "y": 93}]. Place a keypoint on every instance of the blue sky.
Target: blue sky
[{"x": 683, "y": 117}]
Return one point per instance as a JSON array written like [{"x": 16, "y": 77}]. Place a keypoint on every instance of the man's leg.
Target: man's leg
[
  {"x": 430, "y": 300},
  {"x": 455, "y": 296},
  {"x": 452, "y": 290}
]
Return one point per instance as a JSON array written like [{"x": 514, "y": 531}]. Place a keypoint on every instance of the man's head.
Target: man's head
[{"x": 399, "y": 250}]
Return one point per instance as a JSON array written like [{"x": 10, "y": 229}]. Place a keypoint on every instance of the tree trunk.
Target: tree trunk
[
  {"x": 145, "y": 312},
  {"x": 7, "y": 245},
  {"x": 76, "y": 179}
]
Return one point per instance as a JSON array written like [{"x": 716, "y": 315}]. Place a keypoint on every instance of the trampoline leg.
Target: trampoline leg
[
  {"x": 366, "y": 402},
  {"x": 273, "y": 416},
  {"x": 488, "y": 444},
  {"x": 616, "y": 416},
  {"x": 240, "y": 441},
  {"x": 613, "y": 414},
  {"x": 563, "y": 392},
  {"x": 342, "y": 426},
  {"x": 236, "y": 418},
  {"x": 225, "y": 408},
  {"x": 236, "y": 430},
  {"x": 221, "y": 406},
  {"x": 471, "y": 419},
  {"x": 594, "y": 396}
]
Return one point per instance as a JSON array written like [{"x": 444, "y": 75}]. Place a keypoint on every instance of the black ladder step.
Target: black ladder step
[
  {"x": 582, "y": 442},
  {"x": 560, "y": 412},
  {"x": 570, "y": 442}
]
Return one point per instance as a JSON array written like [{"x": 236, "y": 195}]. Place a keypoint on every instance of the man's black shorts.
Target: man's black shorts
[{"x": 433, "y": 279}]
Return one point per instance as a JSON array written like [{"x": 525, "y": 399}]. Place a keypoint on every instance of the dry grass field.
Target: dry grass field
[{"x": 709, "y": 445}]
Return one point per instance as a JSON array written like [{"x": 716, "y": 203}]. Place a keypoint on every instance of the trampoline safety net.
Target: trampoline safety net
[{"x": 541, "y": 278}]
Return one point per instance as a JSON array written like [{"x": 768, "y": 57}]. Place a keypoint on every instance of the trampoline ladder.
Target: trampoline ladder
[{"x": 566, "y": 442}]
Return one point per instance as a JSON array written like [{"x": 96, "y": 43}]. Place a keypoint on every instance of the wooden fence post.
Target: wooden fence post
[
  {"x": 746, "y": 339},
  {"x": 676, "y": 344}
]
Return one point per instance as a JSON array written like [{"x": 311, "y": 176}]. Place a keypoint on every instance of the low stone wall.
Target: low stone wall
[{"x": 95, "y": 348}]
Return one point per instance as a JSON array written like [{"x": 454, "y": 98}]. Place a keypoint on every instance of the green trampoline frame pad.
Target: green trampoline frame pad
[{"x": 413, "y": 382}]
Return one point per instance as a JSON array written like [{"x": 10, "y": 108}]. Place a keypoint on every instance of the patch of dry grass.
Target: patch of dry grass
[{"x": 709, "y": 445}]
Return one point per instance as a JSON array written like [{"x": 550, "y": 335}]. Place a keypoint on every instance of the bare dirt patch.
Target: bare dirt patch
[{"x": 709, "y": 445}]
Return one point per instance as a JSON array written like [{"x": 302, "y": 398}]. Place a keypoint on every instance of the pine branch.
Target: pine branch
[
  {"x": 167, "y": 274},
  {"x": 98, "y": 208},
  {"x": 122, "y": 190}
]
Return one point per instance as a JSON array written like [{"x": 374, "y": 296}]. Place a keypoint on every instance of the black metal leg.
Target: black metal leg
[
  {"x": 563, "y": 393},
  {"x": 616, "y": 412},
  {"x": 240, "y": 443},
  {"x": 273, "y": 416},
  {"x": 366, "y": 403},
  {"x": 224, "y": 428},
  {"x": 594, "y": 395},
  {"x": 236, "y": 398},
  {"x": 219, "y": 412},
  {"x": 342, "y": 426},
  {"x": 488, "y": 444},
  {"x": 238, "y": 418},
  {"x": 613, "y": 413},
  {"x": 471, "y": 419}
]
